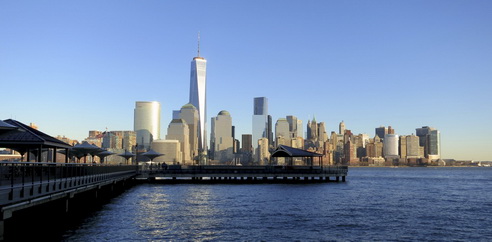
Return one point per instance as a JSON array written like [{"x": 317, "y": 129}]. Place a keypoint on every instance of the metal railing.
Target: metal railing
[
  {"x": 220, "y": 169},
  {"x": 25, "y": 180}
]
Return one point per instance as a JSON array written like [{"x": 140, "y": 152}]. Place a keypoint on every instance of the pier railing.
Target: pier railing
[
  {"x": 27, "y": 180},
  {"x": 227, "y": 171}
]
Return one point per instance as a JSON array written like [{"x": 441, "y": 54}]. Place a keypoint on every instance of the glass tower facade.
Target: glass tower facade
[
  {"x": 147, "y": 122},
  {"x": 260, "y": 120},
  {"x": 198, "y": 79},
  {"x": 260, "y": 106}
]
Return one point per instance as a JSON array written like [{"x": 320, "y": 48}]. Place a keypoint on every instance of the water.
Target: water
[{"x": 405, "y": 204}]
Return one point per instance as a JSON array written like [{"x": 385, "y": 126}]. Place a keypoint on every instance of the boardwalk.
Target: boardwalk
[
  {"x": 28, "y": 184},
  {"x": 242, "y": 173}
]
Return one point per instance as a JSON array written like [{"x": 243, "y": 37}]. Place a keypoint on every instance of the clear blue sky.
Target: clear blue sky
[{"x": 74, "y": 66}]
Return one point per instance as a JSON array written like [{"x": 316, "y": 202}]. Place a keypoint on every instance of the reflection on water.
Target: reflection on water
[{"x": 374, "y": 204}]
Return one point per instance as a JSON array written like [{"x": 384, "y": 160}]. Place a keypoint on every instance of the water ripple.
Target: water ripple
[{"x": 381, "y": 204}]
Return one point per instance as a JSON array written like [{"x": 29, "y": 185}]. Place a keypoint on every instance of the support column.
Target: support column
[
  {"x": 54, "y": 155},
  {"x": 40, "y": 150}
]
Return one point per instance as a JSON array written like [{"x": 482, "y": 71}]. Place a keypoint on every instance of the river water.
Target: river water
[{"x": 404, "y": 204}]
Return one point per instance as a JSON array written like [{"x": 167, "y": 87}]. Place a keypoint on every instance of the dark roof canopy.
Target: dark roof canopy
[
  {"x": 287, "y": 151},
  {"x": 6, "y": 126},
  {"x": 25, "y": 137}
]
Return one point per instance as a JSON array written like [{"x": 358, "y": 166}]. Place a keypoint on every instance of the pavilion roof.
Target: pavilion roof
[
  {"x": 26, "y": 137},
  {"x": 287, "y": 151}
]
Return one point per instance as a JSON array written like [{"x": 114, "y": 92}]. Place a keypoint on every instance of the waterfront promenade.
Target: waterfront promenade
[
  {"x": 28, "y": 185},
  {"x": 229, "y": 173}
]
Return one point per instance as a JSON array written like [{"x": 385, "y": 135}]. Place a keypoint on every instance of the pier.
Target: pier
[
  {"x": 54, "y": 188},
  {"x": 224, "y": 173},
  {"x": 27, "y": 185}
]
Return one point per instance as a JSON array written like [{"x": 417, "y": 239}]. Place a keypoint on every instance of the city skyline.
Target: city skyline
[{"x": 404, "y": 64}]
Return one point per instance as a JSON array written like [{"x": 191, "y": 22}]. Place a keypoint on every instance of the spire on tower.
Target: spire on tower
[{"x": 198, "y": 43}]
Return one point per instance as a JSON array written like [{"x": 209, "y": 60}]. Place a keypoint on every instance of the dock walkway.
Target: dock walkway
[{"x": 241, "y": 173}]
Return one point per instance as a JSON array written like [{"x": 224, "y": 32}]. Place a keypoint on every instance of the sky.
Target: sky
[{"x": 74, "y": 66}]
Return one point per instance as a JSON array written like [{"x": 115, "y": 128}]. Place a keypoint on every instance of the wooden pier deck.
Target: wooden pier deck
[{"x": 225, "y": 173}]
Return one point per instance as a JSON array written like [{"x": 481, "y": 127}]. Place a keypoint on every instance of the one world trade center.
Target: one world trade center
[{"x": 198, "y": 77}]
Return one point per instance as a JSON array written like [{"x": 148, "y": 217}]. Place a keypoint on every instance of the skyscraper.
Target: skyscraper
[
  {"x": 198, "y": 77},
  {"x": 190, "y": 115},
  {"x": 282, "y": 133},
  {"x": 221, "y": 142},
  {"x": 247, "y": 144},
  {"x": 178, "y": 130},
  {"x": 341, "y": 128},
  {"x": 295, "y": 126},
  {"x": 381, "y": 132},
  {"x": 430, "y": 139},
  {"x": 260, "y": 120},
  {"x": 413, "y": 146},
  {"x": 390, "y": 145},
  {"x": 147, "y": 122},
  {"x": 434, "y": 143}
]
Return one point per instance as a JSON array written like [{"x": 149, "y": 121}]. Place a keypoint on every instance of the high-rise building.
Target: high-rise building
[
  {"x": 312, "y": 130},
  {"x": 129, "y": 140},
  {"x": 403, "y": 147},
  {"x": 260, "y": 120},
  {"x": 269, "y": 132},
  {"x": 111, "y": 141},
  {"x": 292, "y": 125},
  {"x": 171, "y": 149},
  {"x": 341, "y": 127},
  {"x": 413, "y": 147},
  {"x": 422, "y": 134},
  {"x": 198, "y": 78},
  {"x": 147, "y": 122},
  {"x": 247, "y": 144},
  {"x": 322, "y": 136},
  {"x": 350, "y": 153},
  {"x": 282, "y": 133},
  {"x": 221, "y": 143},
  {"x": 260, "y": 106},
  {"x": 381, "y": 132},
  {"x": 94, "y": 133},
  {"x": 374, "y": 148},
  {"x": 390, "y": 144},
  {"x": 391, "y": 130},
  {"x": 189, "y": 114},
  {"x": 178, "y": 130},
  {"x": 262, "y": 152},
  {"x": 430, "y": 139},
  {"x": 300, "y": 129},
  {"x": 434, "y": 143},
  {"x": 176, "y": 114}
]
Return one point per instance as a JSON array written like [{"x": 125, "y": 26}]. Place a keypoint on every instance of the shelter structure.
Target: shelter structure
[
  {"x": 127, "y": 155},
  {"x": 151, "y": 154},
  {"x": 103, "y": 154},
  {"x": 290, "y": 152},
  {"x": 25, "y": 139},
  {"x": 86, "y": 149}
]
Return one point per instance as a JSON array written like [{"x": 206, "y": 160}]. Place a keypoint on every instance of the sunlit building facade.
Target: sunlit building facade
[
  {"x": 178, "y": 130},
  {"x": 221, "y": 142},
  {"x": 189, "y": 114},
  {"x": 147, "y": 122},
  {"x": 171, "y": 149},
  {"x": 260, "y": 120},
  {"x": 282, "y": 133},
  {"x": 198, "y": 78},
  {"x": 390, "y": 144}
]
